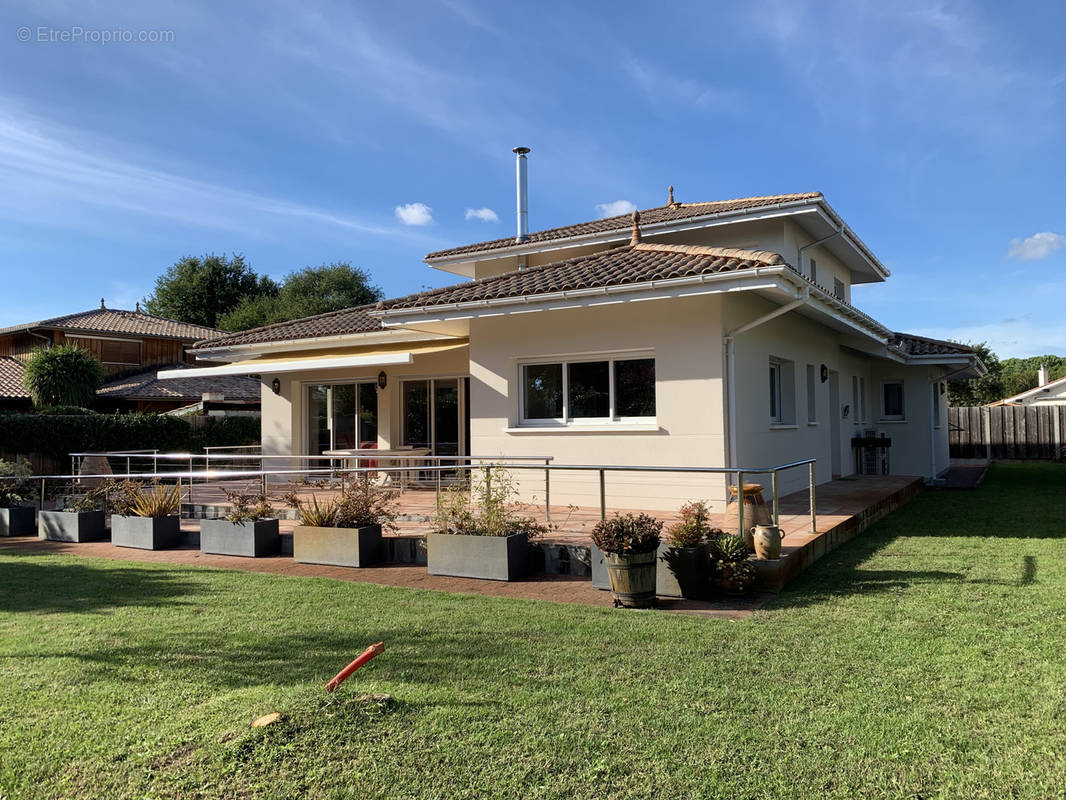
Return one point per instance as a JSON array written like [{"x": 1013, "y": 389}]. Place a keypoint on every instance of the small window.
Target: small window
[
  {"x": 892, "y": 400},
  {"x": 120, "y": 352},
  {"x": 838, "y": 288},
  {"x": 543, "y": 391},
  {"x": 589, "y": 390},
  {"x": 814, "y": 271},
  {"x": 812, "y": 396},
  {"x": 775, "y": 392}
]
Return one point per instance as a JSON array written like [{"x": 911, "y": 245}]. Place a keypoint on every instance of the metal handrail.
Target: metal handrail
[
  {"x": 368, "y": 455},
  {"x": 601, "y": 469}
]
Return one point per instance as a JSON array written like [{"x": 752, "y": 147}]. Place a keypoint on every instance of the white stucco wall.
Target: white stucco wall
[{"x": 683, "y": 335}]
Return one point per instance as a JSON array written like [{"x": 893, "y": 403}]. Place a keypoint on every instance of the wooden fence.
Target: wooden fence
[{"x": 1007, "y": 432}]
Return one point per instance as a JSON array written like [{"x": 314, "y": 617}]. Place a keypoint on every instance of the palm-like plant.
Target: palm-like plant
[
  {"x": 62, "y": 376},
  {"x": 161, "y": 501}
]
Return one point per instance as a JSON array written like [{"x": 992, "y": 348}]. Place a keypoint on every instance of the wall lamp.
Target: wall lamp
[{"x": 383, "y": 380}]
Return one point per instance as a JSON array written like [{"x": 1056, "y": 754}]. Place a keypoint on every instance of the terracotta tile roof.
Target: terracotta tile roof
[
  {"x": 624, "y": 265},
  {"x": 11, "y": 371},
  {"x": 332, "y": 323},
  {"x": 621, "y": 223},
  {"x": 113, "y": 320},
  {"x": 922, "y": 346},
  {"x": 145, "y": 386}
]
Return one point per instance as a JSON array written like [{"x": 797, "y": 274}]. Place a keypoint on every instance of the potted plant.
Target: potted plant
[
  {"x": 683, "y": 567},
  {"x": 344, "y": 531},
  {"x": 147, "y": 518},
  {"x": 630, "y": 543},
  {"x": 481, "y": 534},
  {"x": 80, "y": 518},
  {"x": 734, "y": 574},
  {"x": 250, "y": 529},
  {"x": 15, "y": 519}
]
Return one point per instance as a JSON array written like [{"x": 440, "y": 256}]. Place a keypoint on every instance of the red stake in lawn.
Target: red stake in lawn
[{"x": 344, "y": 674}]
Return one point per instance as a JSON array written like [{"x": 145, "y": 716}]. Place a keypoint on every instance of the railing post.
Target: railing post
[
  {"x": 42, "y": 493},
  {"x": 547, "y": 492},
  {"x": 773, "y": 484},
  {"x": 128, "y": 466},
  {"x": 603, "y": 494},
  {"x": 190, "y": 479},
  {"x": 814, "y": 513},
  {"x": 740, "y": 503}
]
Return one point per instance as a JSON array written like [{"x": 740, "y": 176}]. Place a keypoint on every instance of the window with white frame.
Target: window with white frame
[
  {"x": 858, "y": 391},
  {"x": 782, "y": 392},
  {"x": 588, "y": 390},
  {"x": 892, "y": 400},
  {"x": 812, "y": 396}
]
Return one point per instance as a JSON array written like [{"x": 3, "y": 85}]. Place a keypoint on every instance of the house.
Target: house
[
  {"x": 1046, "y": 393},
  {"x": 695, "y": 334},
  {"x": 132, "y": 346}
]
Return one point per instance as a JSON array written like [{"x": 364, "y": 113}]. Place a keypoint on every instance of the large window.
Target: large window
[
  {"x": 602, "y": 390},
  {"x": 342, "y": 416},
  {"x": 436, "y": 415},
  {"x": 892, "y": 400},
  {"x": 120, "y": 352}
]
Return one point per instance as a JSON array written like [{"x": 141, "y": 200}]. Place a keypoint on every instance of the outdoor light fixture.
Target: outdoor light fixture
[
  {"x": 383, "y": 380},
  {"x": 825, "y": 373},
  {"x": 275, "y": 386}
]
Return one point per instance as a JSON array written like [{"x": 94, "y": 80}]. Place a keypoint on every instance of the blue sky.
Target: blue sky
[{"x": 293, "y": 133}]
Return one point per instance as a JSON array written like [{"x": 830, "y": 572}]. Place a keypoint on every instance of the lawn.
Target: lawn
[{"x": 924, "y": 659}]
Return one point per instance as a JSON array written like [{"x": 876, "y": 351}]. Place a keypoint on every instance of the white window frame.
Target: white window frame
[
  {"x": 566, "y": 420},
  {"x": 902, "y": 417},
  {"x": 775, "y": 375}
]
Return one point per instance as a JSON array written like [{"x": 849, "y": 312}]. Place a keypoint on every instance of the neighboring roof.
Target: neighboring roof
[
  {"x": 146, "y": 386},
  {"x": 113, "y": 320},
  {"x": 922, "y": 346},
  {"x": 11, "y": 371},
  {"x": 669, "y": 213},
  {"x": 1047, "y": 387},
  {"x": 332, "y": 323},
  {"x": 635, "y": 263}
]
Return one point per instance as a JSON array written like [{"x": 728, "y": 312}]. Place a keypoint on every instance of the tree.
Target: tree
[
  {"x": 312, "y": 290},
  {"x": 64, "y": 375},
  {"x": 202, "y": 289},
  {"x": 978, "y": 391}
]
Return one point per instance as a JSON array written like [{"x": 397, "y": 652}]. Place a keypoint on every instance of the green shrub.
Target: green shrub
[
  {"x": 64, "y": 375},
  {"x": 693, "y": 527},
  {"x": 628, "y": 533},
  {"x": 14, "y": 488},
  {"x": 58, "y": 435}
]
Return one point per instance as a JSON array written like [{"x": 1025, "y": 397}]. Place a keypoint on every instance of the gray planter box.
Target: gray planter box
[
  {"x": 494, "y": 558},
  {"x": 146, "y": 533},
  {"x": 73, "y": 526},
  {"x": 18, "y": 521},
  {"x": 249, "y": 539},
  {"x": 338, "y": 547},
  {"x": 682, "y": 572}
]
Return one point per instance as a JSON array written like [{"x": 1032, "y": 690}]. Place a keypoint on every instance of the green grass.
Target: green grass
[{"x": 925, "y": 659}]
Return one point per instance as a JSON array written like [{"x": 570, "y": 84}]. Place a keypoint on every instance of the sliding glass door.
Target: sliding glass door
[
  {"x": 435, "y": 415},
  {"x": 342, "y": 416}
]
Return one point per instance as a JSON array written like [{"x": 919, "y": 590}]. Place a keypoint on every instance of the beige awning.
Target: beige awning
[{"x": 336, "y": 359}]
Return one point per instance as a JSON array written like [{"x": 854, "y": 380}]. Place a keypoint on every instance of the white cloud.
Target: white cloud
[
  {"x": 1036, "y": 247},
  {"x": 414, "y": 214},
  {"x": 615, "y": 208},
  {"x": 483, "y": 214}
]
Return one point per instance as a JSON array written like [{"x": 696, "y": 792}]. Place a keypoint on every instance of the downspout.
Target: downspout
[
  {"x": 730, "y": 368},
  {"x": 799, "y": 264}
]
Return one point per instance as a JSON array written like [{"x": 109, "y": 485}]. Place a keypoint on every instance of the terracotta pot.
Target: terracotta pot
[
  {"x": 756, "y": 512},
  {"x": 767, "y": 541},
  {"x": 632, "y": 577}
]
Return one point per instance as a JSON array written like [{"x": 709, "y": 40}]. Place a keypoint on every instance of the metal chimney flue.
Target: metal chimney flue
[{"x": 522, "y": 188}]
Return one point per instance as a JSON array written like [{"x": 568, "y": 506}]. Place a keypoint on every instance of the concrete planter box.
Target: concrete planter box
[
  {"x": 249, "y": 539},
  {"x": 338, "y": 547},
  {"x": 683, "y": 571},
  {"x": 146, "y": 533},
  {"x": 18, "y": 521},
  {"x": 73, "y": 526},
  {"x": 494, "y": 558}
]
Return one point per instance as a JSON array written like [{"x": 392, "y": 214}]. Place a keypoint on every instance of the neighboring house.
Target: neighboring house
[
  {"x": 707, "y": 334},
  {"x": 131, "y": 345},
  {"x": 1046, "y": 393}
]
